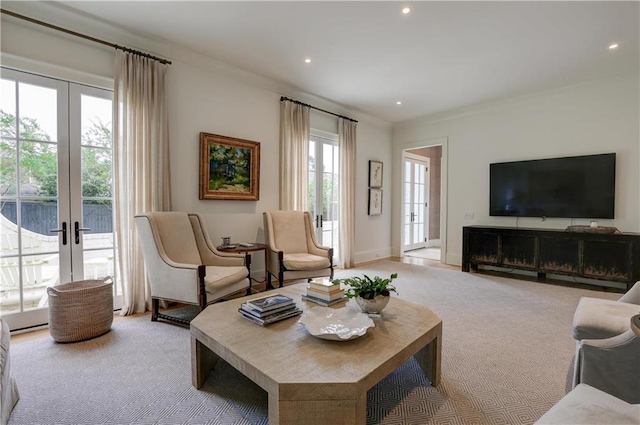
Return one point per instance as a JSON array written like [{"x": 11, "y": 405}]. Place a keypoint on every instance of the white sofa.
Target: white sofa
[
  {"x": 607, "y": 349},
  {"x": 9, "y": 394},
  {"x": 588, "y": 405}
]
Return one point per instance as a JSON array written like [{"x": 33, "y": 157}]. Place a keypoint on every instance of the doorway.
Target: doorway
[
  {"x": 422, "y": 242},
  {"x": 323, "y": 191},
  {"x": 56, "y": 191}
]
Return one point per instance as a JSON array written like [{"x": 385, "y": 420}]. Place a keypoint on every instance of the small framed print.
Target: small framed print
[
  {"x": 375, "y": 202},
  {"x": 375, "y": 174}
]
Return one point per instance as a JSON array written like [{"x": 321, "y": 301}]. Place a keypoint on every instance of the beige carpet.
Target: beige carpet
[{"x": 507, "y": 358}]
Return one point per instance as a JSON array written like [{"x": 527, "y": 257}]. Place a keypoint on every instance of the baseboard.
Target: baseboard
[{"x": 375, "y": 254}]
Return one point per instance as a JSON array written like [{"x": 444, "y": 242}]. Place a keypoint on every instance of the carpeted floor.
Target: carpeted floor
[{"x": 507, "y": 358}]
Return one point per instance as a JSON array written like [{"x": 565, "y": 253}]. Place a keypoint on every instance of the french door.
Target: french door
[
  {"x": 56, "y": 191},
  {"x": 415, "y": 207},
  {"x": 323, "y": 192}
]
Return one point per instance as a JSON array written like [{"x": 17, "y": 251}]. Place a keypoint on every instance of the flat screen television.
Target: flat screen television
[{"x": 572, "y": 187}]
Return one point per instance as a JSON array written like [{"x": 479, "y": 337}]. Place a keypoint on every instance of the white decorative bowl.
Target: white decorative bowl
[{"x": 336, "y": 324}]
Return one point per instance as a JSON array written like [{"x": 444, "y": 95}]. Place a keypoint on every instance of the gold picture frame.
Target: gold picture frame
[{"x": 229, "y": 168}]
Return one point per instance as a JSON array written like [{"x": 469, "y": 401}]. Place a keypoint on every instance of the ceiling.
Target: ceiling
[{"x": 369, "y": 55}]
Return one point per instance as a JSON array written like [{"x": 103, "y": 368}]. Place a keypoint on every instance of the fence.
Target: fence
[{"x": 41, "y": 217}]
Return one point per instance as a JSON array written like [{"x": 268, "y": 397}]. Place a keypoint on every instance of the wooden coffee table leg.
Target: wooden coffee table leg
[
  {"x": 429, "y": 358},
  {"x": 202, "y": 362}
]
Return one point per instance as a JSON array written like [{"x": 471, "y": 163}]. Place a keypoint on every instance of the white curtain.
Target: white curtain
[
  {"x": 294, "y": 155},
  {"x": 141, "y": 151},
  {"x": 347, "y": 184}
]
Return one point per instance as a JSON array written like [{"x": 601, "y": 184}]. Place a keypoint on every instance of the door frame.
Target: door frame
[{"x": 397, "y": 193}]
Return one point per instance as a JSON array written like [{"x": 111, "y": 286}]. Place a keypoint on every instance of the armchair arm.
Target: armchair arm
[
  {"x": 611, "y": 365},
  {"x": 208, "y": 253},
  {"x": 633, "y": 295},
  {"x": 213, "y": 257},
  {"x": 273, "y": 259}
]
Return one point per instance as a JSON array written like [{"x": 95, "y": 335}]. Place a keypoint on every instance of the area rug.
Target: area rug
[{"x": 507, "y": 358}]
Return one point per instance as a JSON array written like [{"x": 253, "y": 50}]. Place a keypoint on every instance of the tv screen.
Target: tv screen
[{"x": 572, "y": 187}]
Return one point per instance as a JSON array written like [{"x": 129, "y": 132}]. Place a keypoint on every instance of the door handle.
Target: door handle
[
  {"x": 317, "y": 218},
  {"x": 321, "y": 220},
  {"x": 63, "y": 231},
  {"x": 77, "y": 230}
]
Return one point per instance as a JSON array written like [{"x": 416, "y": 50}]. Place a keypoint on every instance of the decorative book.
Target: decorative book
[
  {"x": 324, "y": 285},
  {"x": 244, "y": 308},
  {"x": 327, "y": 296},
  {"x": 269, "y": 302},
  {"x": 321, "y": 301},
  {"x": 273, "y": 317}
]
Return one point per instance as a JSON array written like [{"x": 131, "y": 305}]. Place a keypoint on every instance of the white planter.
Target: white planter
[{"x": 373, "y": 306}]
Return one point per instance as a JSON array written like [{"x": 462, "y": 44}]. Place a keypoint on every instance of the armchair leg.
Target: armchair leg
[
  {"x": 281, "y": 278},
  {"x": 155, "y": 303},
  {"x": 269, "y": 285}
]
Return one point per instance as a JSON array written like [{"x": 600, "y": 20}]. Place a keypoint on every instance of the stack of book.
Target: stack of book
[
  {"x": 269, "y": 309},
  {"x": 324, "y": 292}
]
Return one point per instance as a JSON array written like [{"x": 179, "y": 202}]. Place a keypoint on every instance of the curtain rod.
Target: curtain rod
[
  {"x": 86, "y": 37},
  {"x": 318, "y": 109}
]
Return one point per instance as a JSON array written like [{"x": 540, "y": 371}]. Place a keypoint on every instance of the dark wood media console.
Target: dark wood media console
[{"x": 609, "y": 257}]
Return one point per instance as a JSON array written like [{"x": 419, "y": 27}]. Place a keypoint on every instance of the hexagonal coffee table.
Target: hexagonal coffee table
[{"x": 311, "y": 380}]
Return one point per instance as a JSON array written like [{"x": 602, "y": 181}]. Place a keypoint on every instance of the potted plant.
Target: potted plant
[{"x": 372, "y": 295}]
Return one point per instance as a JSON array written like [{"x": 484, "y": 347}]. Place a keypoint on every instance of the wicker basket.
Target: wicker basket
[{"x": 80, "y": 310}]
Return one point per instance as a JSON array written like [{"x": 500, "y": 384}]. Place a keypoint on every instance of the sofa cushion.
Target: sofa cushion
[
  {"x": 220, "y": 277},
  {"x": 588, "y": 405},
  {"x": 305, "y": 262},
  {"x": 596, "y": 318}
]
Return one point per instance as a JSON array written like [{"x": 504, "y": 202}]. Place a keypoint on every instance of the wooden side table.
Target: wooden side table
[{"x": 248, "y": 250}]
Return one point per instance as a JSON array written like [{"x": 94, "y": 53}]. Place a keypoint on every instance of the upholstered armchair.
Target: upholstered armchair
[
  {"x": 183, "y": 265},
  {"x": 607, "y": 348},
  {"x": 293, "y": 251}
]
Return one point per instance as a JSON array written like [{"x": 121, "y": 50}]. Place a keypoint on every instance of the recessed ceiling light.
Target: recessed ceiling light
[
  {"x": 406, "y": 10},
  {"x": 307, "y": 60},
  {"x": 398, "y": 103},
  {"x": 613, "y": 46}
]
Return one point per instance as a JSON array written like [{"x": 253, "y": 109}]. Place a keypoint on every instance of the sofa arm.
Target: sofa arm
[
  {"x": 611, "y": 365},
  {"x": 633, "y": 295}
]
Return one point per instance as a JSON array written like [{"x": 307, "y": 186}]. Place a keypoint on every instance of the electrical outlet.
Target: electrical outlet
[{"x": 468, "y": 216}]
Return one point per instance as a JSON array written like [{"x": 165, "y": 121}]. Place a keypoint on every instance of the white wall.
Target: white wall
[
  {"x": 599, "y": 117},
  {"x": 204, "y": 96}
]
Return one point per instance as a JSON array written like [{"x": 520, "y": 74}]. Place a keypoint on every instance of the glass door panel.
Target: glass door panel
[
  {"x": 95, "y": 225},
  {"x": 324, "y": 190},
  {"x": 415, "y": 185}
]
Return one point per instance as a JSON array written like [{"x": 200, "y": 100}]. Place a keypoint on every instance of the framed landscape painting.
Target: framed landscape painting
[{"x": 229, "y": 168}]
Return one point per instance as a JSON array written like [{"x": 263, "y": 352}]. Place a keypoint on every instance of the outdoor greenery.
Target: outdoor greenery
[
  {"x": 229, "y": 168},
  {"x": 329, "y": 187},
  {"x": 39, "y": 159},
  {"x": 366, "y": 287}
]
